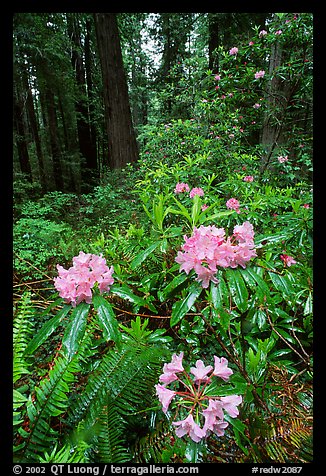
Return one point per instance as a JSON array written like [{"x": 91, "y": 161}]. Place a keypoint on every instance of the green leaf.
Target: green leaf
[
  {"x": 196, "y": 209},
  {"x": 237, "y": 288},
  {"x": 282, "y": 283},
  {"x": 218, "y": 215},
  {"x": 173, "y": 287},
  {"x": 46, "y": 330},
  {"x": 219, "y": 293},
  {"x": 144, "y": 254},
  {"x": 124, "y": 292},
  {"x": 308, "y": 306},
  {"x": 181, "y": 308},
  {"x": 75, "y": 329},
  {"x": 106, "y": 318},
  {"x": 253, "y": 279},
  {"x": 260, "y": 318}
]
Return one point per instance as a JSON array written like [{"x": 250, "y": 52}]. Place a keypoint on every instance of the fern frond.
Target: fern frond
[
  {"x": 149, "y": 448},
  {"x": 111, "y": 445},
  {"x": 22, "y": 330},
  {"x": 121, "y": 386},
  {"x": 50, "y": 400}
]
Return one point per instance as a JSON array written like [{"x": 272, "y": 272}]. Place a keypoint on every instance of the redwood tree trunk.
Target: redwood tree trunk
[
  {"x": 54, "y": 140},
  {"x": 86, "y": 143},
  {"x": 21, "y": 140},
  {"x": 122, "y": 145}
]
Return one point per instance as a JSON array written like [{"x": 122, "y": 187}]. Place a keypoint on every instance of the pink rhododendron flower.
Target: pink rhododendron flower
[
  {"x": 234, "y": 51},
  {"x": 221, "y": 368},
  {"x": 217, "y": 77},
  {"x": 278, "y": 32},
  {"x": 208, "y": 248},
  {"x": 193, "y": 399},
  {"x": 256, "y": 106},
  {"x": 283, "y": 159},
  {"x": 259, "y": 74},
  {"x": 200, "y": 371},
  {"x": 233, "y": 204},
  {"x": 230, "y": 404},
  {"x": 196, "y": 191},
  {"x": 306, "y": 205},
  {"x": 214, "y": 418},
  {"x": 287, "y": 260},
  {"x": 248, "y": 178},
  {"x": 175, "y": 365},
  {"x": 251, "y": 43},
  {"x": 75, "y": 284},
  {"x": 165, "y": 396},
  {"x": 189, "y": 427},
  {"x": 181, "y": 187},
  {"x": 262, "y": 33},
  {"x": 244, "y": 233}
]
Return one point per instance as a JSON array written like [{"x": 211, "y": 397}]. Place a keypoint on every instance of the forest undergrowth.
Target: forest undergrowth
[{"x": 166, "y": 315}]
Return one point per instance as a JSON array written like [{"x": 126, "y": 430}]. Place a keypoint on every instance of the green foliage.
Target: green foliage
[
  {"x": 22, "y": 330},
  {"x": 84, "y": 377}
]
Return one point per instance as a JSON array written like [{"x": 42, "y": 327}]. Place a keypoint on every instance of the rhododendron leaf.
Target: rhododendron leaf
[
  {"x": 239, "y": 429},
  {"x": 181, "y": 308},
  {"x": 218, "y": 215},
  {"x": 282, "y": 283},
  {"x": 107, "y": 320},
  {"x": 193, "y": 451},
  {"x": 253, "y": 279},
  {"x": 126, "y": 293},
  {"x": 46, "y": 330},
  {"x": 75, "y": 329},
  {"x": 174, "y": 286},
  {"x": 196, "y": 209},
  {"x": 143, "y": 255},
  {"x": 237, "y": 288},
  {"x": 219, "y": 293}
]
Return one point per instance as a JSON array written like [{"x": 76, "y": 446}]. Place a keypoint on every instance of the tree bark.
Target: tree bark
[
  {"x": 86, "y": 144},
  {"x": 21, "y": 140},
  {"x": 213, "y": 42},
  {"x": 54, "y": 140},
  {"x": 122, "y": 145}
]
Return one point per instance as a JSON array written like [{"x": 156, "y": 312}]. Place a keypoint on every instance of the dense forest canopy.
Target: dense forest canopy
[
  {"x": 65, "y": 138},
  {"x": 163, "y": 237}
]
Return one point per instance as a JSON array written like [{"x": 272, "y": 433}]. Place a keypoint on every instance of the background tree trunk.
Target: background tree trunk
[
  {"x": 86, "y": 139},
  {"x": 21, "y": 140},
  {"x": 122, "y": 146},
  {"x": 54, "y": 140},
  {"x": 213, "y": 42}
]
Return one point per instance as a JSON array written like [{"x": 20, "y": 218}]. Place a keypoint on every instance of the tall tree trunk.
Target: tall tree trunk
[
  {"x": 21, "y": 140},
  {"x": 89, "y": 83},
  {"x": 35, "y": 130},
  {"x": 86, "y": 143},
  {"x": 275, "y": 110},
  {"x": 54, "y": 140},
  {"x": 213, "y": 42},
  {"x": 122, "y": 145}
]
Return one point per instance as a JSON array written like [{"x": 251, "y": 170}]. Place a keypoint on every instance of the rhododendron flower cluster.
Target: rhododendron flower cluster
[
  {"x": 287, "y": 260},
  {"x": 259, "y": 74},
  {"x": 196, "y": 191},
  {"x": 233, "y": 51},
  {"x": 190, "y": 395},
  {"x": 248, "y": 178},
  {"x": 209, "y": 248},
  {"x": 181, "y": 187},
  {"x": 233, "y": 204},
  {"x": 282, "y": 159},
  {"x": 75, "y": 284}
]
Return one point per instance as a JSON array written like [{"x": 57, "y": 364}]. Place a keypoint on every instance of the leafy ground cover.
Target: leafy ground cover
[{"x": 178, "y": 324}]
